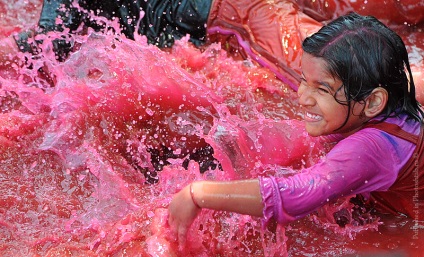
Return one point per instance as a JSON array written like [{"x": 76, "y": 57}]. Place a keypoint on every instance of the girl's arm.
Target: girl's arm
[{"x": 242, "y": 196}]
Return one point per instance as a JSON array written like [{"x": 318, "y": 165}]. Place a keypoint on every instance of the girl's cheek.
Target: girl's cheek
[{"x": 300, "y": 90}]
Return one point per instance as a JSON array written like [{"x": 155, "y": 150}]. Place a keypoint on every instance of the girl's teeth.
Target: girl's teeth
[{"x": 315, "y": 117}]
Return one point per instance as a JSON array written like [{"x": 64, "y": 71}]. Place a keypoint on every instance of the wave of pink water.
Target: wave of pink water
[{"x": 69, "y": 185}]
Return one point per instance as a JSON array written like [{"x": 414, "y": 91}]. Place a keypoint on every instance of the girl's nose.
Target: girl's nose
[{"x": 305, "y": 97}]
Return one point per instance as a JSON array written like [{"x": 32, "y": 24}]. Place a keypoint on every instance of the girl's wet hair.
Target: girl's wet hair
[{"x": 364, "y": 54}]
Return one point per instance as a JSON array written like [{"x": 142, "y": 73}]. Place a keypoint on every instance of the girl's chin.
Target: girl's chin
[{"x": 313, "y": 131}]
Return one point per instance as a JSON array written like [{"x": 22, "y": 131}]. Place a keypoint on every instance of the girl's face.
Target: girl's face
[{"x": 323, "y": 115}]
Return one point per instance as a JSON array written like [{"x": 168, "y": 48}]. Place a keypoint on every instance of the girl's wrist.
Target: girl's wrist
[{"x": 193, "y": 196}]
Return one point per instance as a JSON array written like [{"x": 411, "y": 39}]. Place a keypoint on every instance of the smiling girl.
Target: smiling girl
[{"x": 357, "y": 88}]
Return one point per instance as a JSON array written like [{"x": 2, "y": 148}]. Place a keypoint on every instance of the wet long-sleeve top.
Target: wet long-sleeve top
[{"x": 367, "y": 161}]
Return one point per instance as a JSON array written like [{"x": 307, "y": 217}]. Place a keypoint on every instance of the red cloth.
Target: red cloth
[
  {"x": 270, "y": 32},
  {"x": 389, "y": 11},
  {"x": 406, "y": 195}
]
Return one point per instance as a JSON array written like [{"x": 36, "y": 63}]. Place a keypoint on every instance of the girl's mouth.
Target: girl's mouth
[{"x": 312, "y": 117}]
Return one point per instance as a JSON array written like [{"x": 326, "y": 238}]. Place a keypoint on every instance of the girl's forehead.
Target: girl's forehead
[{"x": 315, "y": 68}]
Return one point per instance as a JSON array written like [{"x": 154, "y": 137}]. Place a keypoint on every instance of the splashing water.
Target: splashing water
[
  {"x": 91, "y": 156},
  {"x": 70, "y": 152}
]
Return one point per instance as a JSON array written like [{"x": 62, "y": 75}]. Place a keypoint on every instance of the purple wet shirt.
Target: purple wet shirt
[{"x": 366, "y": 161}]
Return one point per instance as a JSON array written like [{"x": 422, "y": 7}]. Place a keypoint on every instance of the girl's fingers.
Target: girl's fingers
[
  {"x": 182, "y": 236},
  {"x": 171, "y": 221},
  {"x": 173, "y": 225}
]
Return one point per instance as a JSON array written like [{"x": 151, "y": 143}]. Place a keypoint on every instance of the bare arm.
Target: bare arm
[{"x": 242, "y": 196}]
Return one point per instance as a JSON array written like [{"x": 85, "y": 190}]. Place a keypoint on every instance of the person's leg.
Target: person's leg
[
  {"x": 163, "y": 22},
  {"x": 57, "y": 16}
]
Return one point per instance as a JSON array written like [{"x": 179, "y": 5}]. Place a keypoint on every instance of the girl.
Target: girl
[{"x": 356, "y": 88}]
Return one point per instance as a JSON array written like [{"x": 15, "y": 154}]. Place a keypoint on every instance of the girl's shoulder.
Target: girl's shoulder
[
  {"x": 390, "y": 124},
  {"x": 395, "y": 136},
  {"x": 375, "y": 130}
]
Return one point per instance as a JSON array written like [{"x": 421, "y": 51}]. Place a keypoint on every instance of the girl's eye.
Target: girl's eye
[{"x": 323, "y": 90}]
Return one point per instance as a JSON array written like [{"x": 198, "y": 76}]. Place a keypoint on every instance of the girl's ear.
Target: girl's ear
[{"x": 376, "y": 102}]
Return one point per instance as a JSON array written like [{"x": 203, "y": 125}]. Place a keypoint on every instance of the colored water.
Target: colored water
[{"x": 81, "y": 146}]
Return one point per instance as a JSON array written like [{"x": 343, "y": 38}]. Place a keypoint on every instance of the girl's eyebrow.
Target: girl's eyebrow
[{"x": 325, "y": 84}]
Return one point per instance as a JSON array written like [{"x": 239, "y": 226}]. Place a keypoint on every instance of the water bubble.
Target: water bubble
[{"x": 150, "y": 111}]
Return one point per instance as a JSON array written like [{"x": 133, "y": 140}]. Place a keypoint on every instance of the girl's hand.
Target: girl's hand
[{"x": 182, "y": 212}]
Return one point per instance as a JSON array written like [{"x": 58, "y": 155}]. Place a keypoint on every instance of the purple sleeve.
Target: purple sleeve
[{"x": 364, "y": 162}]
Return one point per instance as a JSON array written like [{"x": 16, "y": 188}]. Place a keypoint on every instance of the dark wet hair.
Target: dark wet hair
[{"x": 365, "y": 54}]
